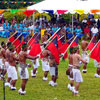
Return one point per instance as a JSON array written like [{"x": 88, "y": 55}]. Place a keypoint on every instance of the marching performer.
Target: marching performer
[
  {"x": 76, "y": 70},
  {"x": 84, "y": 45},
  {"x": 23, "y": 72}
]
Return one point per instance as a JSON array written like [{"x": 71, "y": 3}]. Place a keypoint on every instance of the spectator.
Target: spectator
[{"x": 94, "y": 30}]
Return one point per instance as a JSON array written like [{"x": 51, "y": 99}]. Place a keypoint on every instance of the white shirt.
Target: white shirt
[
  {"x": 1, "y": 28},
  {"x": 94, "y": 30}
]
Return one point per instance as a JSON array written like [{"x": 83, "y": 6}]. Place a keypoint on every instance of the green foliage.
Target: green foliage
[
  {"x": 16, "y": 5},
  {"x": 19, "y": 15},
  {"x": 67, "y": 17}
]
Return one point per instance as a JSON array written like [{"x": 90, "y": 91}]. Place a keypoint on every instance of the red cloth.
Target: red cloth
[
  {"x": 54, "y": 51},
  {"x": 11, "y": 39},
  {"x": 96, "y": 53},
  {"x": 61, "y": 11},
  {"x": 19, "y": 47},
  {"x": 35, "y": 50},
  {"x": 29, "y": 12},
  {"x": 16, "y": 43},
  {"x": 92, "y": 43},
  {"x": 63, "y": 48},
  {"x": 86, "y": 30}
]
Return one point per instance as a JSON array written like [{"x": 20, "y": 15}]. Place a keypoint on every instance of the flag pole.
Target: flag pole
[
  {"x": 61, "y": 37},
  {"x": 53, "y": 35},
  {"x": 70, "y": 45},
  {"x": 12, "y": 35},
  {"x": 93, "y": 48},
  {"x": 16, "y": 38},
  {"x": 47, "y": 45},
  {"x": 33, "y": 41}
]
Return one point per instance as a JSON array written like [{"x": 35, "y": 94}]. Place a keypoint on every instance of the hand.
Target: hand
[{"x": 38, "y": 56}]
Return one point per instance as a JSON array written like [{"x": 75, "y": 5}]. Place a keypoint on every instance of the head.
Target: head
[
  {"x": 46, "y": 33},
  {"x": 3, "y": 45},
  {"x": 9, "y": 44},
  {"x": 24, "y": 47},
  {"x": 71, "y": 50},
  {"x": 77, "y": 49},
  {"x": 11, "y": 48}
]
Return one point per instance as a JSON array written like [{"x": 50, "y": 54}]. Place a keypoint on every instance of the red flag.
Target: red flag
[
  {"x": 12, "y": 38},
  {"x": 63, "y": 48},
  {"x": 53, "y": 48},
  {"x": 58, "y": 35},
  {"x": 61, "y": 11},
  {"x": 61, "y": 42},
  {"x": 17, "y": 41},
  {"x": 19, "y": 47},
  {"x": 36, "y": 49},
  {"x": 96, "y": 53},
  {"x": 29, "y": 12},
  {"x": 74, "y": 43},
  {"x": 92, "y": 43}
]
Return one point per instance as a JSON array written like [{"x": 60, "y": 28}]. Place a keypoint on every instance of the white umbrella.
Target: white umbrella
[{"x": 66, "y": 5}]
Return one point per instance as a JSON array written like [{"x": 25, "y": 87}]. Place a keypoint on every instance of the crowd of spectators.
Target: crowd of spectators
[{"x": 87, "y": 27}]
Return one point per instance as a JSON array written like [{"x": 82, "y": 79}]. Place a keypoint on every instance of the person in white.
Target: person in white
[
  {"x": 76, "y": 70},
  {"x": 94, "y": 30}
]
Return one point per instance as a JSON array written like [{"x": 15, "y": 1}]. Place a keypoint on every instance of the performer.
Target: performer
[
  {"x": 97, "y": 64},
  {"x": 35, "y": 67},
  {"x": 45, "y": 63},
  {"x": 69, "y": 70},
  {"x": 23, "y": 72},
  {"x": 53, "y": 70},
  {"x": 7, "y": 64},
  {"x": 2, "y": 57},
  {"x": 76, "y": 70},
  {"x": 84, "y": 45},
  {"x": 12, "y": 67}
]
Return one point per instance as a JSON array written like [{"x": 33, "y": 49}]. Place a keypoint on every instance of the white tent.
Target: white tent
[{"x": 66, "y": 5}]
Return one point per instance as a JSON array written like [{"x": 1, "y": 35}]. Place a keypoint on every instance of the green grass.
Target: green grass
[{"x": 40, "y": 90}]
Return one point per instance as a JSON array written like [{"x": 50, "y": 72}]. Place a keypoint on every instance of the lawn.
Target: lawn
[{"x": 39, "y": 90}]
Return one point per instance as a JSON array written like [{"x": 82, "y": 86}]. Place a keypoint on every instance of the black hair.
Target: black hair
[{"x": 3, "y": 44}]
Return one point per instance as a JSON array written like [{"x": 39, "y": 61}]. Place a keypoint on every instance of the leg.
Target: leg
[
  {"x": 76, "y": 89},
  {"x": 34, "y": 70},
  {"x": 46, "y": 74},
  {"x": 85, "y": 68},
  {"x": 23, "y": 85}
]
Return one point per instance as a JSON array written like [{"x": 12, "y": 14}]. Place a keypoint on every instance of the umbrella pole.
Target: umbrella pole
[{"x": 72, "y": 24}]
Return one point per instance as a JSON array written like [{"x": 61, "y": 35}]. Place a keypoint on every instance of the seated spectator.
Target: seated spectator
[
  {"x": 87, "y": 32},
  {"x": 94, "y": 30},
  {"x": 37, "y": 29},
  {"x": 78, "y": 32},
  {"x": 14, "y": 20},
  {"x": 54, "y": 28},
  {"x": 12, "y": 27},
  {"x": 18, "y": 29},
  {"x": 26, "y": 31},
  {"x": 6, "y": 28},
  {"x": 69, "y": 32}
]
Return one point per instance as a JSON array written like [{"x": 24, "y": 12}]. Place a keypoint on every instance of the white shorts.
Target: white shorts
[
  {"x": 9, "y": 72},
  {"x": 85, "y": 57},
  {"x": 0, "y": 63},
  {"x": 45, "y": 66},
  {"x": 95, "y": 63},
  {"x": 77, "y": 75},
  {"x": 53, "y": 71},
  {"x": 36, "y": 65},
  {"x": 13, "y": 72},
  {"x": 24, "y": 75},
  {"x": 7, "y": 64}
]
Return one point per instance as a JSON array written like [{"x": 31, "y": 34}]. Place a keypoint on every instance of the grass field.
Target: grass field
[{"x": 39, "y": 90}]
